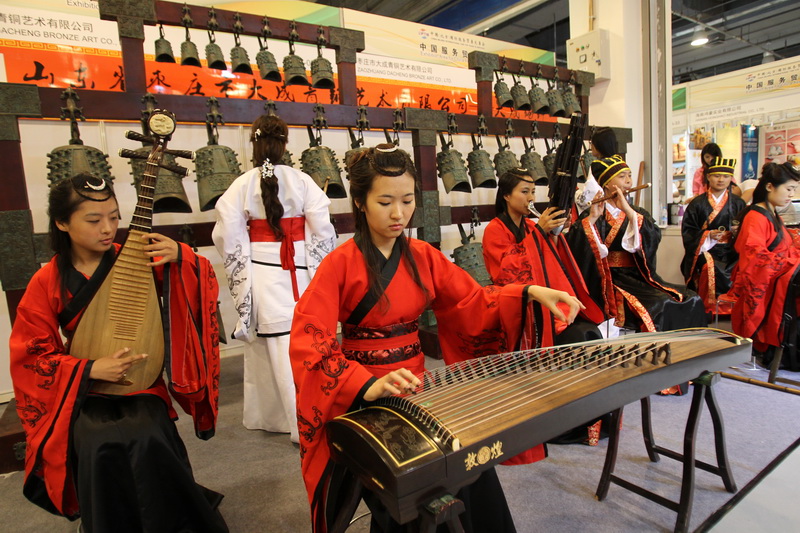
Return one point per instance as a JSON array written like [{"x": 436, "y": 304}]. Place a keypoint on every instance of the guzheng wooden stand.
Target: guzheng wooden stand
[{"x": 703, "y": 391}]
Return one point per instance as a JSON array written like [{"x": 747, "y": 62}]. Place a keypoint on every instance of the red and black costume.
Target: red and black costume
[
  {"x": 708, "y": 264},
  {"x": 525, "y": 254},
  {"x": 380, "y": 336},
  {"x": 117, "y": 461},
  {"x": 764, "y": 278}
]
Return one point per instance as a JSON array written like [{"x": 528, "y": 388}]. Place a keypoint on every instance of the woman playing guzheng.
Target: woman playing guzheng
[
  {"x": 117, "y": 462},
  {"x": 377, "y": 285},
  {"x": 273, "y": 229},
  {"x": 768, "y": 263}
]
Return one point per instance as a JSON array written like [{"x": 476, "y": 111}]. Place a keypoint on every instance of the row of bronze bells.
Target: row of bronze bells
[
  {"x": 294, "y": 68},
  {"x": 482, "y": 169},
  {"x": 555, "y": 102}
]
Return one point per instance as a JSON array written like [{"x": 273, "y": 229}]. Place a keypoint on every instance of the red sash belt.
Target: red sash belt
[
  {"x": 383, "y": 345},
  {"x": 621, "y": 259},
  {"x": 293, "y": 230}
]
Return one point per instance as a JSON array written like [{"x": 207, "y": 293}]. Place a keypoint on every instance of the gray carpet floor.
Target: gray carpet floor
[{"x": 259, "y": 472}]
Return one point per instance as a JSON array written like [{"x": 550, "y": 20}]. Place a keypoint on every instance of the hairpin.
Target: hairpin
[{"x": 267, "y": 169}]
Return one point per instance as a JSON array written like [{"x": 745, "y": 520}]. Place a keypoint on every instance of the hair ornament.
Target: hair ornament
[
  {"x": 92, "y": 184},
  {"x": 267, "y": 169},
  {"x": 257, "y": 134},
  {"x": 386, "y": 150}
]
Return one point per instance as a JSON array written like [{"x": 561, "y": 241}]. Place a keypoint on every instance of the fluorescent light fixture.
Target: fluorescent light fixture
[{"x": 700, "y": 37}]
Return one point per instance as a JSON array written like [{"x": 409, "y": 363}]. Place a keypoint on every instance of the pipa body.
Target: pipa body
[
  {"x": 126, "y": 310},
  {"x": 469, "y": 416}
]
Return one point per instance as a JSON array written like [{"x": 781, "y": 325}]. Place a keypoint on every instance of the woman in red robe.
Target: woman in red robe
[
  {"x": 768, "y": 263},
  {"x": 518, "y": 250},
  {"x": 377, "y": 285},
  {"x": 117, "y": 462}
]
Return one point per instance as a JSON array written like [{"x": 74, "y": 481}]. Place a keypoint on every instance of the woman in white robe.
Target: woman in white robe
[{"x": 273, "y": 229}]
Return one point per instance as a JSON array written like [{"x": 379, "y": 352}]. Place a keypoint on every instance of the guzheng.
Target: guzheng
[
  {"x": 471, "y": 415},
  {"x": 126, "y": 310}
]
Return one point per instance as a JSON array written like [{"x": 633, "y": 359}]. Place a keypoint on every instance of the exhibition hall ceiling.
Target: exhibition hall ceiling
[{"x": 741, "y": 33}]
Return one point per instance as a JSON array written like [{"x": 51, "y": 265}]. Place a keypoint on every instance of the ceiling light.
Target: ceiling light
[
  {"x": 769, "y": 57},
  {"x": 700, "y": 37}
]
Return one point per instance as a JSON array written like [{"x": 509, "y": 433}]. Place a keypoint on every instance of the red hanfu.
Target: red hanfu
[
  {"x": 768, "y": 262},
  {"x": 536, "y": 260},
  {"x": 51, "y": 386},
  {"x": 332, "y": 378}
]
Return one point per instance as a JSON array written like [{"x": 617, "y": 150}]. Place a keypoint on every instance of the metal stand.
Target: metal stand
[{"x": 702, "y": 392}]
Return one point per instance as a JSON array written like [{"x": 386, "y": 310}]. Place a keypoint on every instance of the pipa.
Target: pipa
[{"x": 126, "y": 311}]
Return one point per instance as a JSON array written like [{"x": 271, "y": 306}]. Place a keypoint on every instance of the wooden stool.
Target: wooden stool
[{"x": 702, "y": 392}]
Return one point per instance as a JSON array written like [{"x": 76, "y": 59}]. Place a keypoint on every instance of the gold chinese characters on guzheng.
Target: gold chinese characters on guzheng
[{"x": 471, "y": 415}]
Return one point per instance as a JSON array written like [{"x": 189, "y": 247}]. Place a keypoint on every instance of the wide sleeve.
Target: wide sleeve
[
  {"x": 582, "y": 239},
  {"x": 757, "y": 271},
  {"x": 320, "y": 235},
  {"x": 497, "y": 241},
  {"x": 327, "y": 383},
  {"x": 232, "y": 241},
  {"x": 474, "y": 321},
  {"x": 693, "y": 235},
  {"x": 192, "y": 362},
  {"x": 48, "y": 386}
]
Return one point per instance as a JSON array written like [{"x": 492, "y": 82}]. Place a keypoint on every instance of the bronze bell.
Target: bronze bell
[
  {"x": 571, "y": 102},
  {"x": 286, "y": 159},
  {"x": 320, "y": 163},
  {"x": 556, "y": 103},
  {"x": 169, "y": 196},
  {"x": 533, "y": 162},
  {"x": 321, "y": 68},
  {"x": 502, "y": 95},
  {"x": 163, "y": 48},
  {"x": 479, "y": 163},
  {"x": 294, "y": 70},
  {"x": 585, "y": 166},
  {"x": 538, "y": 100},
  {"x": 267, "y": 66},
  {"x": 549, "y": 162},
  {"x": 504, "y": 160},
  {"x": 451, "y": 168},
  {"x": 322, "y": 74},
  {"x": 520, "y": 96},
  {"x": 216, "y": 167},
  {"x": 214, "y": 57},
  {"x": 469, "y": 256},
  {"x": 240, "y": 61},
  {"x": 66, "y": 161},
  {"x": 189, "y": 55},
  {"x": 74, "y": 158}
]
